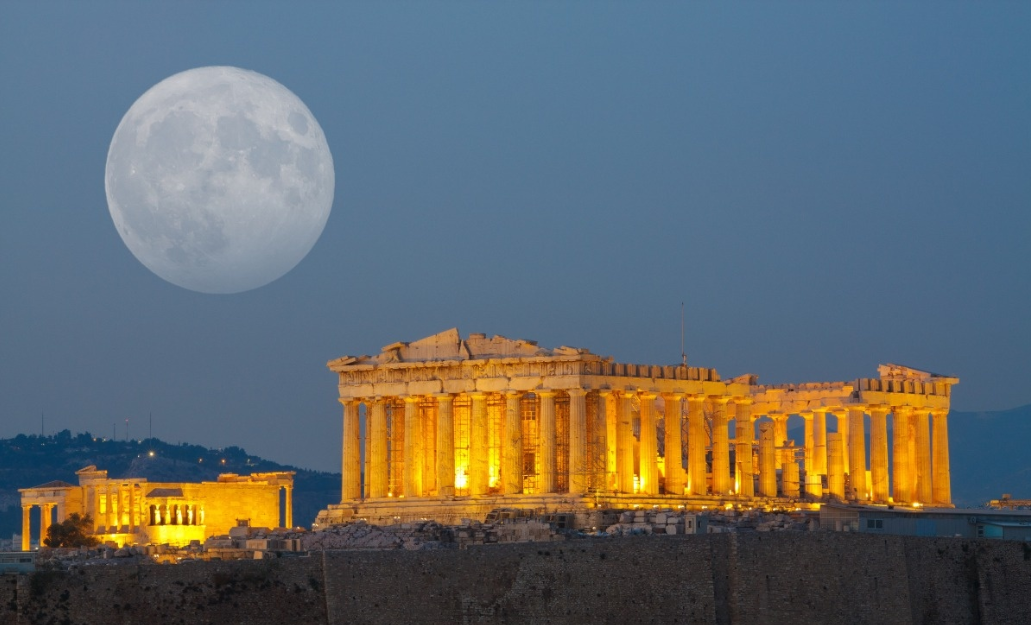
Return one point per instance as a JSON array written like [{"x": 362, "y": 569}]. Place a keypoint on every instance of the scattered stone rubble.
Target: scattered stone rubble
[{"x": 256, "y": 542}]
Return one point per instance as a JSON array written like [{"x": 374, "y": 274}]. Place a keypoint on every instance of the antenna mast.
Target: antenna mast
[{"x": 683, "y": 354}]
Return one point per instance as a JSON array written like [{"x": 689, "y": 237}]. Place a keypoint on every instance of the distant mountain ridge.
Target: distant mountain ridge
[{"x": 27, "y": 461}]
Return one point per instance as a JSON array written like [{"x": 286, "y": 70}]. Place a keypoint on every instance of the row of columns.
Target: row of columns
[
  {"x": 912, "y": 478},
  {"x": 45, "y": 517},
  {"x": 613, "y": 436},
  {"x": 917, "y": 474}
]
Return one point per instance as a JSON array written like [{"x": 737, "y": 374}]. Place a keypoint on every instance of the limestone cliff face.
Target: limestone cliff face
[{"x": 723, "y": 578}]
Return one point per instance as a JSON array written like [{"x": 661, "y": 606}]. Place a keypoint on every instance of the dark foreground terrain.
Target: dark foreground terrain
[{"x": 719, "y": 578}]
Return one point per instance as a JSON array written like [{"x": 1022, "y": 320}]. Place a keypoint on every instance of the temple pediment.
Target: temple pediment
[
  {"x": 901, "y": 372},
  {"x": 450, "y": 346}
]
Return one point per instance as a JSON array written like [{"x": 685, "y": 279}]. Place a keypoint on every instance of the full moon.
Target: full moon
[{"x": 219, "y": 179}]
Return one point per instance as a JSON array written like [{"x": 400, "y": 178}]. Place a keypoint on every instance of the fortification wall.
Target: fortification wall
[{"x": 722, "y": 578}]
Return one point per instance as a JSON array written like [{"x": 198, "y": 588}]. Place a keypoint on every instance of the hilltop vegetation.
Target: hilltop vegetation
[{"x": 30, "y": 460}]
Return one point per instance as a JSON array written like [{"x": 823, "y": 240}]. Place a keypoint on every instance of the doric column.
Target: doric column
[
  {"x": 378, "y": 481},
  {"x": 26, "y": 535},
  {"x": 672, "y": 444},
  {"x": 810, "y": 438},
  {"x": 512, "y": 449},
  {"x": 924, "y": 480},
  {"x": 780, "y": 438},
  {"x": 625, "y": 443},
  {"x": 767, "y": 461},
  {"x": 479, "y": 468},
  {"x": 46, "y": 512},
  {"x": 697, "y": 478},
  {"x": 607, "y": 401},
  {"x": 721, "y": 484},
  {"x": 901, "y": 491},
  {"x": 879, "y": 453},
  {"x": 289, "y": 506},
  {"x": 445, "y": 446},
  {"x": 579, "y": 465},
  {"x": 820, "y": 442},
  {"x": 835, "y": 468},
  {"x": 942, "y": 488},
  {"x": 351, "y": 488},
  {"x": 412, "y": 480},
  {"x": 857, "y": 453},
  {"x": 546, "y": 420},
  {"x": 649, "y": 445},
  {"x": 841, "y": 420},
  {"x": 743, "y": 437}
]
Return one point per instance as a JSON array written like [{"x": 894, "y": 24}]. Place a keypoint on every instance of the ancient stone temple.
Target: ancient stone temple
[
  {"x": 447, "y": 427},
  {"x": 132, "y": 510}
]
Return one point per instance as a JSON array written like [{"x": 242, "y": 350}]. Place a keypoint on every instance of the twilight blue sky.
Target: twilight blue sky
[{"x": 827, "y": 186}]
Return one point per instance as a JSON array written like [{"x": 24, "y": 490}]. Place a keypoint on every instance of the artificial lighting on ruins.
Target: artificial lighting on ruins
[{"x": 450, "y": 421}]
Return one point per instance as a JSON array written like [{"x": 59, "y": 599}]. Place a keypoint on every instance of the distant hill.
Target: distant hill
[{"x": 27, "y": 461}]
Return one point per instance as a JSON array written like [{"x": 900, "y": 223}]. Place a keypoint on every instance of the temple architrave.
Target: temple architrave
[
  {"x": 133, "y": 511},
  {"x": 445, "y": 427}
]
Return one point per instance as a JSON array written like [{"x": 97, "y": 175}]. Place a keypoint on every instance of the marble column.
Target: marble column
[
  {"x": 744, "y": 437},
  {"x": 835, "y": 466},
  {"x": 109, "y": 515},
  {"x": 780, "y": 438},
  {"x": 607, "y": 401},
  {"x": 721, "y": 484},
  {"x": 649, "y": 446},
  {"x": 547, "y": 442},
  {"x": 351, "y": 460},
  {"x": 579, "y": 463},
  {"x": 924, "y": 480},
  {"x": 901, "y": 492},
  {"x": 132, "y": 508},
  {"x": 445, "y": 446},
  {"x": 512, "y": 447},
  {"x": 479, "y": 468},
  {"x": 289, "y": 507},
  {"x": 26, "y": 535},
  {"x": 697, "y": 478},
  {"x": 841, "y": 421},
  {"x": 879, "y": 454},
  {"x": 857, "y": 454},
  {"x": 820, "y": 442},
  {"x": 378, "y": 482},
  {"x": 767, "y": 460},
  {"x": 46, "y": 514},
  {"x": 412, "y": 480},
  {"x": 625, "y": 443},
  {"x": 672, "y": 444},
  {"x": 810, "y": 444},
  {"x": 942, "y": 485}
]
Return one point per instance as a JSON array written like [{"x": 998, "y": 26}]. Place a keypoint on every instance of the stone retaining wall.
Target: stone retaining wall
[{"x": 722, "y": 578}]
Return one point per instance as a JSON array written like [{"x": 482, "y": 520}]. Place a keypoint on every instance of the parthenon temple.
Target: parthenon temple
[{"x": 447, "y": 427}]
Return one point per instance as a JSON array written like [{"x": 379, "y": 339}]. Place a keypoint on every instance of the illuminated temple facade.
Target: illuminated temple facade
[
  {"x": 447, "y": 427},
  {"x": 131, "y": 510}
]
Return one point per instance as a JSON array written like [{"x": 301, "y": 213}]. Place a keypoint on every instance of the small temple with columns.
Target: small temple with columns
[
  {"x": 449, "y": 427},
  {"x": 133, "y": 511}
]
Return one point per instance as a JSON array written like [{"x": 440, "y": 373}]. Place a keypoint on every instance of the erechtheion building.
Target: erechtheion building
[
  {"x": 135, "y": 511},
  {"x": 446, "y": 427}
]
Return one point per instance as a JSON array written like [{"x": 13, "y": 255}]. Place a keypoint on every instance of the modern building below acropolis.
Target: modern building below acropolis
[{"x": 446, "y": 427}]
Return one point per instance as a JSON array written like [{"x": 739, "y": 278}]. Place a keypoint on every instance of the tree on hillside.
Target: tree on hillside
[{"x": 75, "y": 531}]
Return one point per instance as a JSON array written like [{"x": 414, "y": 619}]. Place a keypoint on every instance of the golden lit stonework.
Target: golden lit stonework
[
  {"x": 447, "y": 427},
  {"x": 132, "y": 510}
]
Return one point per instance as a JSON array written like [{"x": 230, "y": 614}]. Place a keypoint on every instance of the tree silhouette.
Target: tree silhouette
[{"x": 75, "y": 531}]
